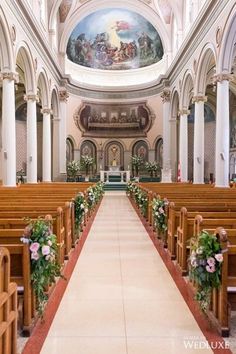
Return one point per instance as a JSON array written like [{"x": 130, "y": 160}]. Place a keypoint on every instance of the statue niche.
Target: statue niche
[{"x": 108, "y": 120}]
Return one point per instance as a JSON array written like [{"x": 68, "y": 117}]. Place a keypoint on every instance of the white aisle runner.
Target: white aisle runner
[{"x": 121, "y": 299}]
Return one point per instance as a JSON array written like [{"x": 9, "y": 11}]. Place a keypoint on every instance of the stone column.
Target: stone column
[
  {"x": 55, "y": 148},
  {"x": 198, "y": 158},
  {"x": 47, "y": 145},
  {"x": 166, "y": 171},
  {"x": 63, "y": 96},
  {"x": 8, "y": 128},
  {"x": 222, "y": 131},
  {"x": 31, "y": 138},
  {"x": 183, "y": 145}
]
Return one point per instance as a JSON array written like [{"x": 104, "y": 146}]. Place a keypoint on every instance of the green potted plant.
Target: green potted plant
[
  {"x": 86, "y": 162},
  {"x": 72, "y": 170},
  {"x": 136, "y": 162}
]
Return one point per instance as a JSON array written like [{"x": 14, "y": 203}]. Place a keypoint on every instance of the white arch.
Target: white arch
[
  {"x": 139, "y": 139},
  {"x": 174, "y": 103},
  {"x": 89, "y": 139},
  {"x": 114, "y": 140},
  {"x": 6, "y": 50},
  {"x": 23, "y": 53},
  {"x": 205, "y": 58},
  {"x": 54, "y": 101},
  {"x": 227, "y": 48},
  {"x": 42, "y": 83},
  {"x": 186, "y": 92},
  {"x": 92, "y": 5},
  {"x": 156, "y": 140}
]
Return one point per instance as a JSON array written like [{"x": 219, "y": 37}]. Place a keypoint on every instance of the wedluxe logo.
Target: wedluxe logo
[{"x": 200, "y": 343}]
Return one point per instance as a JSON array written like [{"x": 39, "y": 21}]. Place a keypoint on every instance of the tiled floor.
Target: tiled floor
[{"x": 121, "y": 299}]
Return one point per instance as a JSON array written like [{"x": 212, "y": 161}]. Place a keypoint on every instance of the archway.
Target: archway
[
  {"x": 88, "y": 148},
  {"x": 114, "y": 155}
]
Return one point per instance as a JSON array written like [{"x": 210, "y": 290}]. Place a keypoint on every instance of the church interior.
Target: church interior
[{"x": 117, "y": 176}]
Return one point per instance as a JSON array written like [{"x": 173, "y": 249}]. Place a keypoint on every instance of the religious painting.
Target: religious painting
[
  {"x": 140, "y": 148},
  {"x": 108, "y": 120},
  {"x": 114, "y": 39}
]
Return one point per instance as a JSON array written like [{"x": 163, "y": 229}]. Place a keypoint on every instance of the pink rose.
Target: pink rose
[
  {"x": 219, "y": 257},
  {"x": 211, "y": 261},
  {"x": 34, "y": 247},
  {"x": 45, "y": 250},
  {"x": 210, "y": 269},
  {"x": 35, "y": 256}
]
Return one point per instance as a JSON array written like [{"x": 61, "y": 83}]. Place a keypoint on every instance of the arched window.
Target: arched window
[{"x": 69, "y": 150}]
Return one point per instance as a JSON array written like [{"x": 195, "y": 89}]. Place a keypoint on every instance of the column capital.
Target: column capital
[
  {"x": 222, "y": 77},
  {"x": 165, "y": 95},
  {"x": 183, "y": 112},
  {"x": 31, "y": 97},
  {"x": 46, "y": 111},
  {"x": 199, "y": 99},
  {"x": 63, "y": 95},
  {"x": 9, "y": 76}
]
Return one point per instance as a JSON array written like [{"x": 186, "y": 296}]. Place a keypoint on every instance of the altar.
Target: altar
[{"x": 125, "y": 175}]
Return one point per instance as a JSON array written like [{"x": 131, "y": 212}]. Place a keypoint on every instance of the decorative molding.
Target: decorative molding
[
  {"x": 13, "y": 33},
  {"x": 218, "y": 36},
  {"x": 31, "y": 98},
  {"x": 46, "y": 111},
  {"x": 63, "y": 95},
  {"x": 9, "y": 76},
  {"x": 223, "y": 77},
  {"x": 165, "y": 95},
  {"x": 183, "y": 112},
  {"x": 199, "y": 99}
]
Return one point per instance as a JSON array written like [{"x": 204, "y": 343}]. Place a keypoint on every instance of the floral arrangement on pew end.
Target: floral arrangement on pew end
[
  {"x": 81, "y": 208},
  {"x": 130, "y": 188},
  {"x": 205, "y": 263},
  {"x": 142, "y": 201},
  {"x": 94, "y": 194},
  {"x": 43, "y": 250},
  {"x": 159, "y": 214}
]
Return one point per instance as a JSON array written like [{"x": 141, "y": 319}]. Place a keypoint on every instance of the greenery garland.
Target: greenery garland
[
  {"x": 205, "y": 265},
  {"x": 44, "y": 265}
]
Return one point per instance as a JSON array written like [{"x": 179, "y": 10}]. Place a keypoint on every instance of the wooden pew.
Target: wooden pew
[
  {"x": 191, "y": 227},
  {"x": 8, "y": 306},
  {"x": 20, "y": 274}
]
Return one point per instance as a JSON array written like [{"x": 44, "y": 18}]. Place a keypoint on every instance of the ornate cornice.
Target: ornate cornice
[
  {"x": 63, "y": 95},
  {"x": 199, "y": 99},
  {"x": 31, "y": 98},
  {"x": 165, "y": 95},
  {"x": 9, "y": 76}
]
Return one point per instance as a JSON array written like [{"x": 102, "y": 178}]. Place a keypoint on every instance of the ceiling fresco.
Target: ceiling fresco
[{"x": 114, "y": 39}]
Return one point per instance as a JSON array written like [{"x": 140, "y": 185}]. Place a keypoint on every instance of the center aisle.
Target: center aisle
[{"x": 121, "y": 298}]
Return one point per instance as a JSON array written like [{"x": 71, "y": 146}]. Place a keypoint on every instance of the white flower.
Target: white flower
[
  {"x": 82, "y": 206},
  {"x": 219, "y": 257}
]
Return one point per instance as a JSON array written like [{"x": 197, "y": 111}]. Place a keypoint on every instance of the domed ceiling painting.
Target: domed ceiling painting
[{"x": 114, "y": 39}]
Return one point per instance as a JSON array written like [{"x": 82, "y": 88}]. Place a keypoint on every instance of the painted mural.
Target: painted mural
[{"x": 114, "y": 39}]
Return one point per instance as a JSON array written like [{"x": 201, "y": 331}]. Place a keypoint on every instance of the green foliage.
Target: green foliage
[
  {"x": 152, "y": 167},
  {"x": 81, "y": 209},
  {"x": 44, "y": 266},
  {"x": 86, "y": 162},
  {"x": 159, "y": 213},
  {"x": 139, "y": 196},
  {"x": 94, "y": 194},
  {"x": 136, "y": 162},
  {"x": 73, "y": 168},
  {"x": 205, "y": 264}
]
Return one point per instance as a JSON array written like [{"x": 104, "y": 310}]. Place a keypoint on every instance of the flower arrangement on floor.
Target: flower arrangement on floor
[
  {"x": 72, "y": 169},
  {"x": 86, "y": 162},
  {"x": 205, "y": 264},
  {"x": 81, "y": 208},
  {"x": 152, "y": 167},
  {"x": 136, "y": 162},
  {"x": 43, "y": 250},
  {"x": 159, "y": 214}
]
